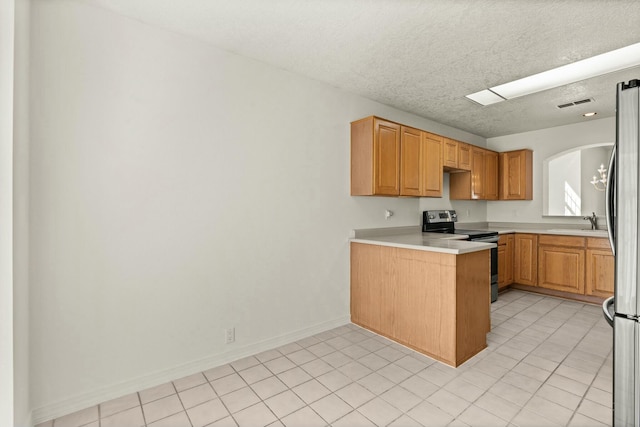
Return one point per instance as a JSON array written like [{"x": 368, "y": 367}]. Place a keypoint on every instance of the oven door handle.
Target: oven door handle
[{"x": 486, "y": 240}]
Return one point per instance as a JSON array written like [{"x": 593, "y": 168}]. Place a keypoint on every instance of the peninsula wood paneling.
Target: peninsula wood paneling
[{"x": 436, "y": 303}]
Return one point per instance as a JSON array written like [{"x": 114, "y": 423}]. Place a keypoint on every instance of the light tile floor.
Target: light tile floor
[{"x": 548, "y": 363}]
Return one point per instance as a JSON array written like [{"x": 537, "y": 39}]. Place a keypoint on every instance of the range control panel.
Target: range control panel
[{"x": 431, "y": 217}]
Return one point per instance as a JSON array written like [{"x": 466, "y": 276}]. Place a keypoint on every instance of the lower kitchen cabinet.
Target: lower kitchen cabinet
[
  {"x": 561, "y": 269},
  {"x": 505, "y": 260},
  {"x": 600, "y": 268},
  {"x": 560, "y": 265},
  {"x": 526, "y": 259}
]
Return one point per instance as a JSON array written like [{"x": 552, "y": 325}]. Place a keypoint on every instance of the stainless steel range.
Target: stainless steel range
[{"x": 443, "y": 221}]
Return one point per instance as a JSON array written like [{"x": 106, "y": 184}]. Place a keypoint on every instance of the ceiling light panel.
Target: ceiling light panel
[
  {"x": 605, "y": 63},
  {"x": 485, "y": 97}
]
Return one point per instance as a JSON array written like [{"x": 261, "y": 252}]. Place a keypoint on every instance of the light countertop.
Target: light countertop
[
  {"x": 557, "y": 231},
  {"x": 411, "y": 237},
  {"x": 432, "y": 242}
]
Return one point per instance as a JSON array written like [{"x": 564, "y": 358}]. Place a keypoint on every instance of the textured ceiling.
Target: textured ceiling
[{"x": 420, "y": 56}]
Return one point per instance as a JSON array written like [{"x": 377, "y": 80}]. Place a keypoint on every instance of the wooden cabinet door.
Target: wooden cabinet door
[
  {"x": 561, "y": 268},
  {"x": 411, "y": 157},
  {"x": 464, "y": 156},
  {"x": 509, "y": 259},
  {"x": 420, "y": 163},
  {"x": 502, "y": 266},
  {"x": 526, "y": 259},
  {"x": 505, "y": 260},
  {"x": 600, "y": 272},
  {"x": 491, "y": 175},
  {"x": 386, "y": 149},
  {"x": 432, "y": 165},
  {"x": 516, "y": 175},
  {"x": 477, "y": 173},
  {"x": 450, "y": 153}
]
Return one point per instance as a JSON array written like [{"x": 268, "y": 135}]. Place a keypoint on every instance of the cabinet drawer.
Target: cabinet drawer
[
  {"x": 598, "y": 243},
  {"x": 503, "y": 239},
  {"x": 558, "y": 240}
]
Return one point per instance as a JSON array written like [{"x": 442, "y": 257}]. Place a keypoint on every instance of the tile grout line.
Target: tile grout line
[
  {"x": 552, "y": 372},
  {"x": 181, "y": 402},
  {"x": 392, "y": 359},
  {"x": 141, "y": 408},
  {"x": 584, "y": 397},
  {"x": 555, "y": 369}
]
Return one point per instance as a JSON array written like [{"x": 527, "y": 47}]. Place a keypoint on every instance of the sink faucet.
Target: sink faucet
[{"x": 593, "y": 219}]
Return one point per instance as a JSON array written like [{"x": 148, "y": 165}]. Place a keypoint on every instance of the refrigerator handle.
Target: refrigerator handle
[
  {"x": 605, "y": 310},
  {"x": 610, "y": 199}
]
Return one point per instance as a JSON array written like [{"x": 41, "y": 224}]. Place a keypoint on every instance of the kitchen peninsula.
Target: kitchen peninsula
[{"x": 427, "y": 292}]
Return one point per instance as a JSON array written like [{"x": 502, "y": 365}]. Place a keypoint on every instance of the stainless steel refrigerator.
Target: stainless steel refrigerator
[{"x": 623, "y": 309}]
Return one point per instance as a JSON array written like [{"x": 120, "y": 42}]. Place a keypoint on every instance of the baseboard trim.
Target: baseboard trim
[{"x": 85, "y": 400}]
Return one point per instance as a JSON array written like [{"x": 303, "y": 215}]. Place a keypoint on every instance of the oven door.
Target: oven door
[{"x": 494, "y": 253}]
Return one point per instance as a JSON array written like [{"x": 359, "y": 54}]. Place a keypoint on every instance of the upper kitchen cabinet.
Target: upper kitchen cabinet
[
  {"x": 411, "y": 159},
  {"x": 431, "y": 170},
  {"x": 490, "y": 175},
  {"x": 449, "y": 154},
  {"x": 420, "y": 163},
  {"x": 375, "y": 157},
  {"x": 456, "y": 155},
  {"x": 464, "y": 156},
  {"x": 516, "y": 176},
  {"x": 477, "y": 174},
  {"x": 389, "y": 159},
  {"x": 481, "y": 183}
]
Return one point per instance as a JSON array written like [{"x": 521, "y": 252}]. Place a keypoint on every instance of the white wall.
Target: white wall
[
  {"x": 545, "y": 143},
  {"x": 22, "y": 403},
  {"x": 7, "y": 25},
  {"x": 467, "y": 210},
  {"x": 178, "y": 190}
]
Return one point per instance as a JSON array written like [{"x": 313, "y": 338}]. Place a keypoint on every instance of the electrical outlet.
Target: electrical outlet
[{"x": 229, "y": 335}]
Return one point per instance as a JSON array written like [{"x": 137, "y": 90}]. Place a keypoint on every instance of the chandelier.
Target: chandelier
[{"x": 600, "y": 184}]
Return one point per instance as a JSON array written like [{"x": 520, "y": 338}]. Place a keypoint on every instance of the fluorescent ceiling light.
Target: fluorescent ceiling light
[
  {"x": 605, "y": 63},
  {"x": 485, "y": 97}
]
